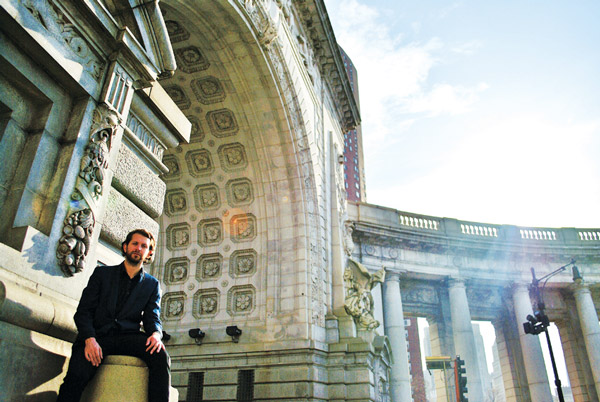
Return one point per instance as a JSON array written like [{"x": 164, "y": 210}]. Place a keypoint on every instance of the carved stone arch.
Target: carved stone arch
[{"x": 256, "y": 108}]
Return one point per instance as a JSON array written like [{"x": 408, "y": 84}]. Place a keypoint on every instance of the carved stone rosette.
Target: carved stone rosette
[{"x": 78, "y": 226}]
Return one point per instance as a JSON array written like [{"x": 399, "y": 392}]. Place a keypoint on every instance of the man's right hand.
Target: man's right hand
[{"x": 93, "y": 351}]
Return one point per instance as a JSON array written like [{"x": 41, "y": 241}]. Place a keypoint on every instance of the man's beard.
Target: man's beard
[{"x": 133, "y": 258}]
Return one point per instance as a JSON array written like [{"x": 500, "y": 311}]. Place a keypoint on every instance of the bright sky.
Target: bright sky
[{"x": 486, "y": 111}]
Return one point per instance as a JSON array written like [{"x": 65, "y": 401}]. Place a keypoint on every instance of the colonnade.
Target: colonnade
[{"x": 524, "y": 372}]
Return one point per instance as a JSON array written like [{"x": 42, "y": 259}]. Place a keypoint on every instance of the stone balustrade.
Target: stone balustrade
[{"x": 454, "y": 228}]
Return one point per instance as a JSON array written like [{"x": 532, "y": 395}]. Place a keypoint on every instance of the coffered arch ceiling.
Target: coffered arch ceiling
[{"x": 234, "y": 204}]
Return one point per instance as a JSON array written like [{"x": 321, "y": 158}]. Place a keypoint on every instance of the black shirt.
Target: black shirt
[{"x": 126, "y": 286}]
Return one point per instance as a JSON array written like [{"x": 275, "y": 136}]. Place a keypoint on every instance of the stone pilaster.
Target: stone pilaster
[
  {"x": 393, "y": 323},
  {"x": 590, "y": 328},
  {"x": 537, "y": 378},
  {"x": 464, "y": 340}
]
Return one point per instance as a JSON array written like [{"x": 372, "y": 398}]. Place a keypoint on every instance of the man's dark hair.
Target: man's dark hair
[{"x": 144, "y": 233}]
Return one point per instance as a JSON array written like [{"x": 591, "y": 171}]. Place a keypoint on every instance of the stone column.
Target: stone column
[
  {"x": 590, "y": 328},
  {"x": 464, "y": 339},
  {"x": 535, "y": 368},
  {"x": 511, "y": 359},
  {"x": 393, "y": 324}
]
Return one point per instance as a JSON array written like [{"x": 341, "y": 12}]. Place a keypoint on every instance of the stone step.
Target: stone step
[{"x": 121, "y": 379}]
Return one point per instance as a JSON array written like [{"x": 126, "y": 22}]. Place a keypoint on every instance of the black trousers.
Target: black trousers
[{"x": 81, "y": 371}]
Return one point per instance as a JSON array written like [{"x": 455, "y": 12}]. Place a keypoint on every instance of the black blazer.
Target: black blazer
[{"x": 96, "y": 313}]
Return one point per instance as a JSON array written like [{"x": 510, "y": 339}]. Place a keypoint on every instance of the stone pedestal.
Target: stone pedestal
[{"x": 121, "y": 378}]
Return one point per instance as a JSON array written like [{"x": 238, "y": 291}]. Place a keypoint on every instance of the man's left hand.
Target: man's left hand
[{"x": 154, "y": 343}]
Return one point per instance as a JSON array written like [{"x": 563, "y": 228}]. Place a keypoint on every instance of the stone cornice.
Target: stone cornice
[
  {"x": 392, "y": 228},
  {"x": 316, "y": 21}
]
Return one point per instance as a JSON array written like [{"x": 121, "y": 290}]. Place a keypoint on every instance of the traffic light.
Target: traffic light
[{"x": 460, "y": 374}]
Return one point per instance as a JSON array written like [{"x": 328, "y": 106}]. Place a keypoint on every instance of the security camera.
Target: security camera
[
  {"x": 197, "y": 334},
  {"x": 234, "y": 332}
]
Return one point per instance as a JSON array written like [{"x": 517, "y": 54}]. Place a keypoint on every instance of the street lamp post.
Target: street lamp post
[{"x": 539, "y": 322}]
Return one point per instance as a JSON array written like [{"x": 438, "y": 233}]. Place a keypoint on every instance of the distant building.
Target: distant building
[
  {"x": 415, "y": 362},
  {"x": 486, "y": 379},
  {"x": 497, "y": 380},
  {"x": 354, "y": 164},
  {"x": 430, "y": 393}
]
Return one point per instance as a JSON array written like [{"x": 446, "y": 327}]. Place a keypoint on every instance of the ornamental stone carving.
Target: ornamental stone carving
[
  {"x": 242, "y": 263},
  {"x": 145, "y": 135},
  {"x": 190, "y": 59},
  {"x": 176, "y": 270},
  {"x": 78, "y": 226},
  {"x": 419, "y": 295},
  {"x": 242, "y": 227},
  {"x": 348, "y": 242},
  {"x": 208, "y": 90},
  {"x": 176, "y": 33},
  {"x": 240, "y": 300},
  {"x": 74, "y": 245},
  {"x": 265, "y": 26},
  {"x": 58, "y": 25},
  {"x": 95, "y": 159},
  {"x": 199, "y": 163},
  {"x": 196, "y": 134},
  {"x": 171, "y": 162},
  {"x": 207, "y": 197},
  {"x": 176, "y": 202},
  {"x": 178, "y": 236},
  {"x": 232, "y": 157},
  {"x": 222, "y": 123},
  {"x": 208, "y": 267},
  {"x": 239, "y": 192},
  {"x": 382, "y": 390},
  {"x": 173, "y": 305},
  {"x": 359, "y": 300},
  {"x": 210, "y": 232},
  {"x": 179, "y": 97},
  {"x": 484, "y": 297},
  {"x": 206, "y": 303}
]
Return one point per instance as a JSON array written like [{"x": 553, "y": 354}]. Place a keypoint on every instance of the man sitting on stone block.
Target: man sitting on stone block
[{"x": 112, "y": 306}]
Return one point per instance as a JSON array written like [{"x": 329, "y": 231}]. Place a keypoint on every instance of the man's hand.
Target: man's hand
[
  {"x": 154, "y": 343},
  {"x": 93, "y": 352}
]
